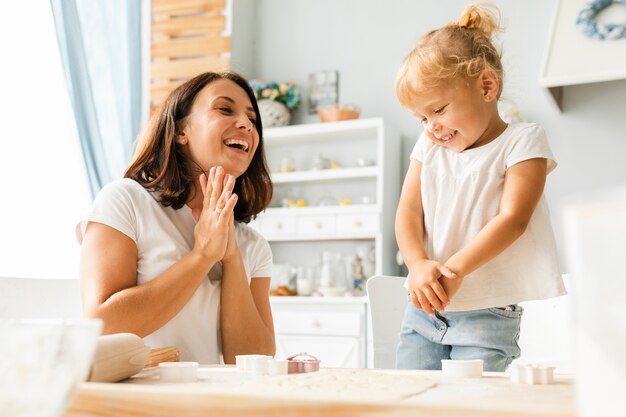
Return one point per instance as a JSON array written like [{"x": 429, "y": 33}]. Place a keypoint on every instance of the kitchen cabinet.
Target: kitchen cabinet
[
  {"x": 333, "y": 329},
  {"x": 336, "y": 188},
  {"x": 572, "y": 58}
]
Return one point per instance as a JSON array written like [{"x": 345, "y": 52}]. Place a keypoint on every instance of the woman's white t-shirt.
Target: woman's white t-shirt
[
  {"x": 461, "y": 193},
  {"x": 163, "y": 236}
]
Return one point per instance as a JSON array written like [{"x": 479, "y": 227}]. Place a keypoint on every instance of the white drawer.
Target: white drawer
[
  {"x": 358, "y": 223},
  {"x": 342, "y": 323},
  {"x": 274, "y": 225},
  {"x": 316, "y": 224}
]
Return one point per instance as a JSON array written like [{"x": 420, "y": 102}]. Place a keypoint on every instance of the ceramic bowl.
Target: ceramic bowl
[{"x": 336, "y": 112}]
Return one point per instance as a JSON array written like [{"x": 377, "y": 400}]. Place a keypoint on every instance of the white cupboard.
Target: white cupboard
[
  {"x": 336, "y": 188},
  {"x": 333, "y": 329}
]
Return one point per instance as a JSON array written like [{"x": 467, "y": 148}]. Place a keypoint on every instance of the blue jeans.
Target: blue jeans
[{"x": 490, "y": 334}]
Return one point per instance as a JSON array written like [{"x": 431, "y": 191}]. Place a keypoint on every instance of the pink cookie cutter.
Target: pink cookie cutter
[{"x": 302, "y": 363}]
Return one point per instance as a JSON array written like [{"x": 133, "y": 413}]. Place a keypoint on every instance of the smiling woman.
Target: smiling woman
[
  {"x": 41, "y": 177},
  {"x": 167, "y": 253}
]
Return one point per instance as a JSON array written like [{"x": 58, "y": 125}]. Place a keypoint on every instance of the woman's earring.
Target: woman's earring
[{"x": 183, "y": 141}]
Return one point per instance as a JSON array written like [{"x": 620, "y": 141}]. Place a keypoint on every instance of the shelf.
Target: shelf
[
  {"x": 321, "y": 131},
  {"x": 572, "y": 58},
  {"x": 324, "y": 175},
  {"x": 320, "y": 236},
  {"x": 298, "y": 211}
]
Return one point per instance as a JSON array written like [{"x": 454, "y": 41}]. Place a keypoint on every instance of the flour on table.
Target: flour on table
[{"x": 339, "y": 384}]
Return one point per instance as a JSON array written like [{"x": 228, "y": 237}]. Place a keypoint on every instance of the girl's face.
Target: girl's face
[
  {"x": 221, "y": 129},
  {"x": 459, "y": 114}
]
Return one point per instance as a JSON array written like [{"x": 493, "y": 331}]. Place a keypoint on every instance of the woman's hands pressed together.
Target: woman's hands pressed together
[
  {"x": 215, "y": 221},
  {"x": 428, "y": 283}
]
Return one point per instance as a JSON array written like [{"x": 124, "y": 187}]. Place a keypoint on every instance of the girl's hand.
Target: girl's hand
[
  {"x": 426, "y": 291},
  {"x": 211, "y": 231},
  {"x": 451, "y": 286}
]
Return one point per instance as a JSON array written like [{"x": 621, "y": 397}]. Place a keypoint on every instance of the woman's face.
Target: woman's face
[{"x": 221, "y": 129}]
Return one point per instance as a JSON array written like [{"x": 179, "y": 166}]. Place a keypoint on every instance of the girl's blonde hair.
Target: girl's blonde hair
[{"x": 459, "y": 49}]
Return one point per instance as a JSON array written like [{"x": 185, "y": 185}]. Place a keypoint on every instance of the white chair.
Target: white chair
[
  {"x": 39, "y": 298},
  {"x": 387, "y": 302}
]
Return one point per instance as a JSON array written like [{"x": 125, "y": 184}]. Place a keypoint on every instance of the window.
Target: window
[{"x": 42, "y": 183}]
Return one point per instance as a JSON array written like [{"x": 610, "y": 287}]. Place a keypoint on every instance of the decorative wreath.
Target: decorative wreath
[{"x": 593, "y": 29}]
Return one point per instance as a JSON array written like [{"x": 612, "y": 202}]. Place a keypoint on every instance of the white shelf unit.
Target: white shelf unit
[{"x": 368, "y": 173}]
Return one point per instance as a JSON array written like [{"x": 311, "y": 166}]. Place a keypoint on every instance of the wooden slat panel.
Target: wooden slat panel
[
  {"x": 159, "y": 92},
  {"x": 189, "y": 25},
  {"x": 180, "y": 7},
  {"x": 176, "y": 48},
  {"x": 186, "y": 68},
  {"x": 186, "y": 41}
]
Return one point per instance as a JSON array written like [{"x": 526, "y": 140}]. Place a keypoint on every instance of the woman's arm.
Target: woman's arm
[
  {"x": 245, "y": 314},
  {"x": 108, "y": 267},
  {"x": 108, "y": 273},
  {"x": 523, "y": 187},
  {"x": 425, "y": 289}
]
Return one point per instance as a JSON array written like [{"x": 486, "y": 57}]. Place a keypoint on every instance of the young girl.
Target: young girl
[{"x": 472, "y": 224}]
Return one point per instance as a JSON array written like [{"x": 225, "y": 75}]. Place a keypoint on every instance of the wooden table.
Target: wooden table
[{"x": 218, "y": 393}]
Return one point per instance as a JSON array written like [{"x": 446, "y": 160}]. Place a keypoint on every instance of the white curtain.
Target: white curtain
[{"x": 100, "y": 45}]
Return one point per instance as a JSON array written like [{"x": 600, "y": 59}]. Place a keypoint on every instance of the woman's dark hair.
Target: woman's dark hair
[{"x": 159, "y": 163}]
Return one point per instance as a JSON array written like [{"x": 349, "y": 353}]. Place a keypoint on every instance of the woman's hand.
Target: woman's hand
[
  {"x": 425, "y": 288},
  {"x": 232, "y": 250},
  {"x": 212, "y": 230}
]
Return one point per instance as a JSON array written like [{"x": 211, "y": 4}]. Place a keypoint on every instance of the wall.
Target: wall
[
  {"x": 366, "y": 40},
  {"x": 243, "y": 26}
]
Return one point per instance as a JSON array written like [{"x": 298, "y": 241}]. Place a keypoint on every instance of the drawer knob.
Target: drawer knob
[
  {"x": 358, "y": 223},
  {"x": 316, "y": 324},
  {"x": 279, "y": 226},
  {"x": 318, "y": 225}
]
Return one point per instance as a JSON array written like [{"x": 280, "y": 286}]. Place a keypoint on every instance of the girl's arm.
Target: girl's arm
[
  {"x": 523, "y": 187},
  {"x": 410, "y": 217},
  {"x": 425, "y": 290}
]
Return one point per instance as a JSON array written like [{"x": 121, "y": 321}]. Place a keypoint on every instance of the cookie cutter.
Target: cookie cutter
[{"x": 302, "y": 363}]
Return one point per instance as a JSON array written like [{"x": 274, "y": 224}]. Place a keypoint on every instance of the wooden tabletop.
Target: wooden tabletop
[{"x": 224, "y": 391}]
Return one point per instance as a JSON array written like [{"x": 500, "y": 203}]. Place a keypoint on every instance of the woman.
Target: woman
[{"x": 166, "y": 253}]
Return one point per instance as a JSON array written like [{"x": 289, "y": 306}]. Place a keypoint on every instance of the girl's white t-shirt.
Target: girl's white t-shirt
[
  {"x": 461, "y": 193},
  {"x": 163, "y": 236}
]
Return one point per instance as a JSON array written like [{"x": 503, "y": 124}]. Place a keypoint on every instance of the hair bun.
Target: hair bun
[
  {"x": 481, "y": 17},
  {"x": 469, "y": 20}
]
